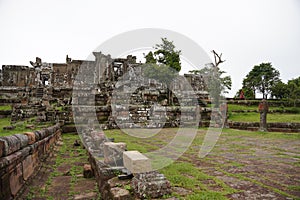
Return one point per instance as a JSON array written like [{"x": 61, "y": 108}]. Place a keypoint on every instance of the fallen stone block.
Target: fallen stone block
[
  {"x": 30, "y": 126},
  {"x": 9, "y": 127},
  {"x": 87, "y": 171},
  {"x": 136, "y": 162},
  {"x": 120, "y": 194},
  {"x": 90, "y": 195},
  {"x": 150, "y": 185}
]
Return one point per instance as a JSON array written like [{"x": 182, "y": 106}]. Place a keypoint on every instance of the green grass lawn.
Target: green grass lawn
[
  {"x": 187, "y": 173},
  {"x": 6, "y": 107},
  {"x": 20, "y": 127},
  {"x": 271, "y": 117},
  {"x": 236, "y": 107}
]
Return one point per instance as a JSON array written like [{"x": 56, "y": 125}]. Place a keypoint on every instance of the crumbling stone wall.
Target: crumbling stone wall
[
  {"x": 276, "y": 127},
  {"x": 107, "y": 163},
  {"x": 42, "y": 83},
  {"x": 21, "y": 155}
]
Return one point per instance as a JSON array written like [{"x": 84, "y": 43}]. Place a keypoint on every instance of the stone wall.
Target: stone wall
[
  {"x": 146, "y": 185},
  {"x": 21, "y": 155},
  {"x": 275, "y": 127}
]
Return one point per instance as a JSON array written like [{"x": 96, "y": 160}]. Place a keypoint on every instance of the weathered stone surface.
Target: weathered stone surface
[
  {"x": 120, "y": 194},
  {"x": 30, "y": 126},
  {"x": 5, "y": 192},
  {"x": 113, "y": 153},
  {"x": 150, "y": 185},
  {"x": 9, "y": 144},
  {"x": 116, "y": 182},
  {"x": 9, "y": 127},
  {"x": 2, "y": 147},
  {"x": 28, "y": 167},
  {"x": 20, "y": 159},
  {"x": 87, "y": 171},
  {"x": 37, "y": 135},
  {"x": 16, "y": 180},
  {"x": 136, "y": 162},
  {"x": 90, "y": 195},
  {"x": 42, "y": 134},
  {"x": 23, "y": 139},
  {"x": 31, "y": 137}
]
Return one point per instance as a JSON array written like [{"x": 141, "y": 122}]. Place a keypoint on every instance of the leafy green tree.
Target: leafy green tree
[
  {"x": 294, "y": 90},
  {"x": 261, "y": 79},
  {"x": 164, "y": 64},
  {"x": 161, "y": 73},
  {"x": 279, "y": 90},
  {"x": 165, "y": 54},
  {"x": 248, "y": 93},
  {"x": 150, "y": 58}
]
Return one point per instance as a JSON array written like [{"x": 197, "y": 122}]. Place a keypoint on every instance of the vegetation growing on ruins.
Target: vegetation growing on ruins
[
  {"x": 217, "y": 83},
  {"x": 67, "y": 167},
  {"x": 165, "y": 54},
  {"x": 19, "y": 127},
  {"x": 5, "y": 107}
]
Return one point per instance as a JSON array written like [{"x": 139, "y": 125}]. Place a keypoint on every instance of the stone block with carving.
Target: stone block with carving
[{"x": 136, "y": 162}]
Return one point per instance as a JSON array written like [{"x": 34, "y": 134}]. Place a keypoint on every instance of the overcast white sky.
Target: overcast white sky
[{"x": 246, "y": 32}]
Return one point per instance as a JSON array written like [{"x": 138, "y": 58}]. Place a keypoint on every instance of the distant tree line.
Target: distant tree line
[{"x": 265, "y": 79}]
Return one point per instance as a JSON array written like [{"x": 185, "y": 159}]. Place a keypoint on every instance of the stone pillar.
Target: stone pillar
[{"x": 263, "y": 108}]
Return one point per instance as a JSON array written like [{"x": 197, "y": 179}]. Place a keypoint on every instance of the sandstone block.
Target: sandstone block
[
  {"x": 120, "y": 194},
  {"x": 136, "y": 162},
  {"x": 5, "y": 192},
  {"x": 23, "y": 139},
  {"x": 9, "y": 144},
  {"x": 16, "y": 180},
  {"x": 31, "y": 137},
  {"x": 28, "y": 167},
  {"x": 113, "y": 153}
]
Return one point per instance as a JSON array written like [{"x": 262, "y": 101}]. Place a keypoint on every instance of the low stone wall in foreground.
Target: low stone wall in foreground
[{"x": 21, "y": 155}]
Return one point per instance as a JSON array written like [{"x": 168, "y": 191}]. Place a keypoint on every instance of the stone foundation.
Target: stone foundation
[{"x": 272, "y": 127}]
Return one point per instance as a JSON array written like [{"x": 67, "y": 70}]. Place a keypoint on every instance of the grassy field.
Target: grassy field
[
  {"x": 20, "y": 127},
  {"x": 271, "y": 117},
  {"x": 240, "y": 162},
  {"x": 6, "y": 107},
  {"x": 286, "y": 114}
]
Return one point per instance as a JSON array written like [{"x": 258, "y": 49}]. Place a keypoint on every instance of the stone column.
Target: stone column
[{"x": 263, "y": 108}]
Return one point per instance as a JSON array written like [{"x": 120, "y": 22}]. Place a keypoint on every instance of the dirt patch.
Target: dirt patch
[{"x": 60, "y": 187}]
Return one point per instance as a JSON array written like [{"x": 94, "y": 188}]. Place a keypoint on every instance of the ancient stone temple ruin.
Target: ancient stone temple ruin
[
  {"x": 83, "y": 94},
  {"x": 36, "y": 91}
]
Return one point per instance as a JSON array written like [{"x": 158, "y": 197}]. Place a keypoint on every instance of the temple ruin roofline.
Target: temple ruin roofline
[{"x": 106, "y": 70}]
